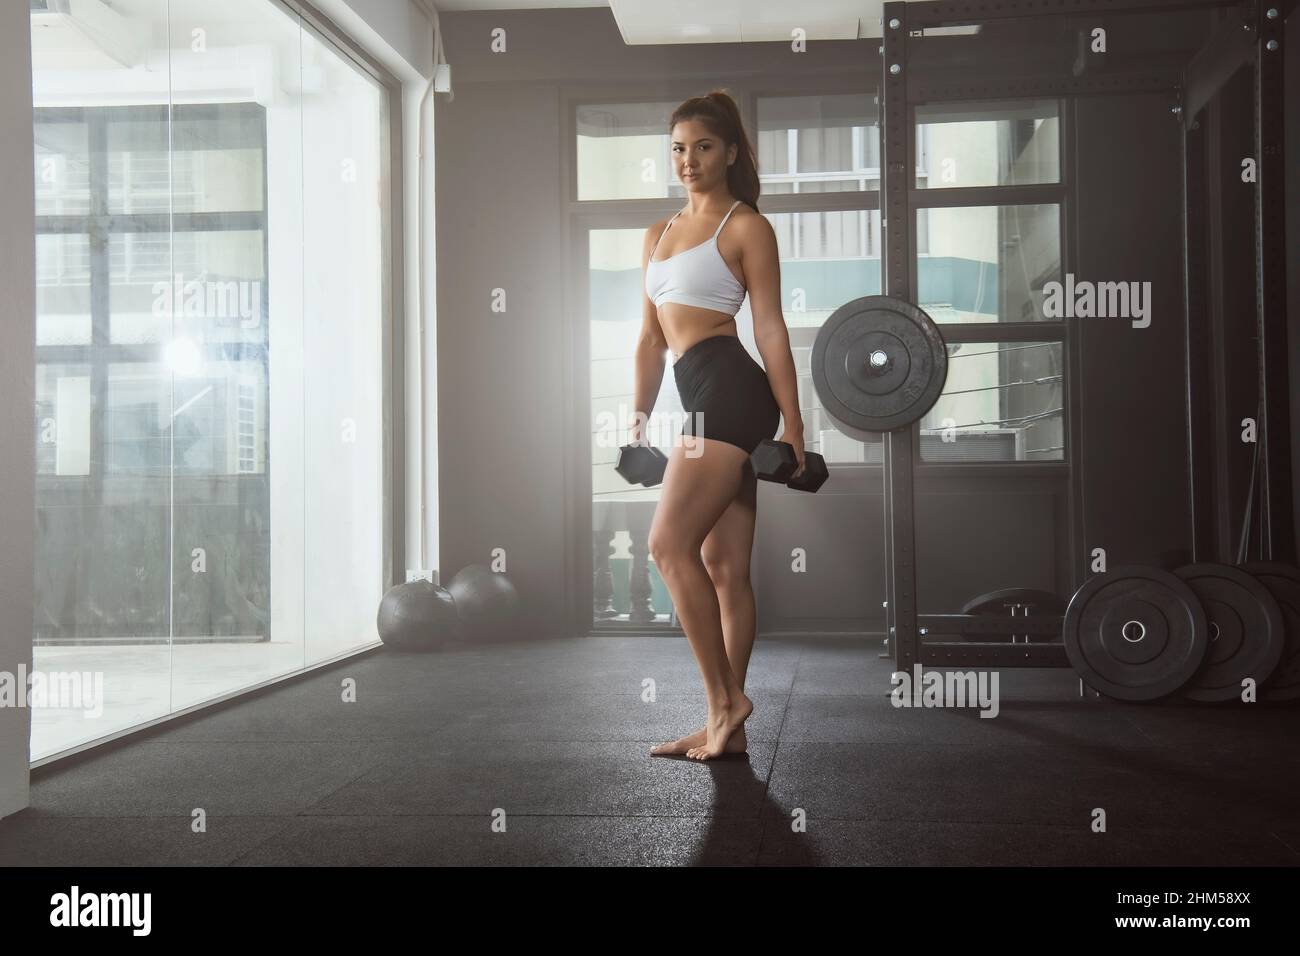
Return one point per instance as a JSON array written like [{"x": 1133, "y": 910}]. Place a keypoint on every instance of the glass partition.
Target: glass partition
[{"x": 210, "y": 312}]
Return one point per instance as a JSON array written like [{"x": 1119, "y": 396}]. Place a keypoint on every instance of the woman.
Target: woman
[{"x": 703, "y": 528}]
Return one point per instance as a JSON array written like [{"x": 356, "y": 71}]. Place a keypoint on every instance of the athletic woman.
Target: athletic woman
[{"x": 708, "y": 256}]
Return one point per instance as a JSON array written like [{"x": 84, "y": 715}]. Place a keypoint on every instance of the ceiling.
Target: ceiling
[{"x": 713, "y": 21}]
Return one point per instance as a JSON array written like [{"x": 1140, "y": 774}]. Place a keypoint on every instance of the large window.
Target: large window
[
  {"x": 981, "y": 143},
  {"x": 820, "y": 144},
  {"x": 109, "y": 234},
  {"x": 983, "y": 267},
  {"x": 623, "y": 151},
  {"x": 208, "y": 415}
]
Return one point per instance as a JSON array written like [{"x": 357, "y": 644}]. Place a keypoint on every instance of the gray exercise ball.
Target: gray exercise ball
[
  {"x": 487, "y": 601},
  {"x": 418, "y": 616}
]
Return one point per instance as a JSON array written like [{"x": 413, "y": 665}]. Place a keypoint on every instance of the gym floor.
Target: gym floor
[{"x": 552, "y": 738}]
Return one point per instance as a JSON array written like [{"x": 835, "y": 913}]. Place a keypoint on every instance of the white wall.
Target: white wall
[{"x": 17, "y": 393}]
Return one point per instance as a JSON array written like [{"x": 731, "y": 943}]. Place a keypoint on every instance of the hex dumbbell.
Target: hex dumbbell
[
  {"x": 776, "y": 461},
  {"x": 641, "y": 464}
]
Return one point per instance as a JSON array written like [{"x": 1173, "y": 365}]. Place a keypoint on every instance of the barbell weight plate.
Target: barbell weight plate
[
  {"x": 1135, "y": 633},
  {"x": 998, "y": 603},
  {"x": 1246, "y": 630},
  {"x": 1283, "y": 582},
  {"x": 1013, "y": 602},
  {"x": 878, "y": 363}
]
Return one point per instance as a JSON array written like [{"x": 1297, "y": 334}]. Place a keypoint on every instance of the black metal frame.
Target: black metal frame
[
  {"x": 1270, "y": 279},
  {"x": 1206, "y": 73},
  {"x": 1197, "y": 368}
]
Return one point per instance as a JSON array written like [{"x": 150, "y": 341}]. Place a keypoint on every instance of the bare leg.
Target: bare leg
[
  {"x": 726, "y": 553},
  {"x": 697, "y": 491}
]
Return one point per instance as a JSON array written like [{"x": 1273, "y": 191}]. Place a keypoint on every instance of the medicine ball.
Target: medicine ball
[
  {"x": 488, "y": 603},
  {"x": 418, "y": 616}
]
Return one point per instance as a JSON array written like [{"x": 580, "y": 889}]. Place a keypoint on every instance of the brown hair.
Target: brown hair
[{"x": 718, "y": 111}]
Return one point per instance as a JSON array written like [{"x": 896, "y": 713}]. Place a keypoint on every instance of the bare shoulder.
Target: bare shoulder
[
  {"x": 755, "y": 232},
  {"x": 749, "y": 222},
  {"x": 657, "y": 226},
  {"x": 652, "y": 234}
]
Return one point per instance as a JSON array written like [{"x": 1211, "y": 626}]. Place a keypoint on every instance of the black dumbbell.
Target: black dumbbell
[
  {"x": 814, "y": 473},
  {"x": 641, "y": 464},
  {"x": 776, "y": 461}
]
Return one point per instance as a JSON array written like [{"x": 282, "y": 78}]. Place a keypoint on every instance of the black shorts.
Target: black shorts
[{"x": 726, "y": 393}]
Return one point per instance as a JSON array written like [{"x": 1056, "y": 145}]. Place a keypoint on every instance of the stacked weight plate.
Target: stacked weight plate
[{"x": 1208, "y": 630}]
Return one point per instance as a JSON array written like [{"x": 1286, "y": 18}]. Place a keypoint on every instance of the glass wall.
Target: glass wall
[{"x": 210, "y": 312}]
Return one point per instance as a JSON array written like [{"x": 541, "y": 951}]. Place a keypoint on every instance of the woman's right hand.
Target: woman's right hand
[{"x": 636, "y": 429}]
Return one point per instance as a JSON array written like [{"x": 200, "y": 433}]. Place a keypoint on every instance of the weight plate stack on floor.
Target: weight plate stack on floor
[
  {"x": 1283, "y": 582},
  {"x": 1246, "y": 630},
  {"x": 1136, "y": 633}
]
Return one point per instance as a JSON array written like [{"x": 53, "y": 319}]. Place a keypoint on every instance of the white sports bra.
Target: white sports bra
[{"x": 696, "y": 276}]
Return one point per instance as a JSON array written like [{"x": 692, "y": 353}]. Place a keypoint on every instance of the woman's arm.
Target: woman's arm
[
  {"x": 761, "y": 264},
  {"x": 650, "y": 349}
]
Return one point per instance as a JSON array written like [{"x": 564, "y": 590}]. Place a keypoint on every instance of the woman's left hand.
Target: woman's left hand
[{"x": 795, "y": 440}]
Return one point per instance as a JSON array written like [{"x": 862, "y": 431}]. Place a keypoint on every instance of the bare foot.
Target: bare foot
[
  {"x": 721, "y": 725},
  {"x": 736, "y": 743}
]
